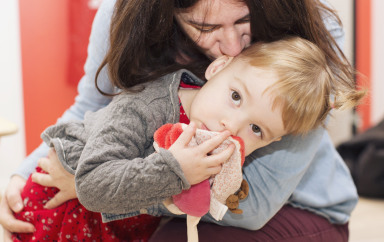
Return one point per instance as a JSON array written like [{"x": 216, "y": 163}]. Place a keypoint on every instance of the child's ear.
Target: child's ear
[{"x": 217, "y": 65}]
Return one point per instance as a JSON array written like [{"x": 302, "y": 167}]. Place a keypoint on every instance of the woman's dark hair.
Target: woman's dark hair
[{"x": 146, "y": 41}]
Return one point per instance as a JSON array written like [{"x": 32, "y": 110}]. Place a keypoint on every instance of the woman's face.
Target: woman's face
[{"x": 219, "y": 27}]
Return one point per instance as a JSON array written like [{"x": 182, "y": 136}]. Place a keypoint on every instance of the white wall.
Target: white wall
[
  {"x": 377, "y": 18},
  {"x": 340, "y": 125},
  {"x": 12, "y": 148}
]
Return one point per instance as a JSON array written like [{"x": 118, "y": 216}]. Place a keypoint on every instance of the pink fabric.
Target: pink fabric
[{"x": 194, "y": 201}]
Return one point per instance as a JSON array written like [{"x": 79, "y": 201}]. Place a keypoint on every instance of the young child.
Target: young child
[{"x": 268, "y": 91}]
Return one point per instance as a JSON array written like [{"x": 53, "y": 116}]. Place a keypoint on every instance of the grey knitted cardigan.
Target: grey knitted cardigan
[{"x": 111, "y": 152}]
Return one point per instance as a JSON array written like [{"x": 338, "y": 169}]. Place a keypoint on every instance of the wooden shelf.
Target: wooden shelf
[{"x": 7, "y": 128}]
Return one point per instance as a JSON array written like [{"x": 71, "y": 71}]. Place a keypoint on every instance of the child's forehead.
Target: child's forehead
[{"x": 261, "y": 76}]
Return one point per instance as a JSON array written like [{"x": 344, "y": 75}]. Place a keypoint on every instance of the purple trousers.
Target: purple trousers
[{"x": 288, "y": 225}]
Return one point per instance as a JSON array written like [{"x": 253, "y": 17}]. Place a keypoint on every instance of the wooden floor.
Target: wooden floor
[{"x": 367, "y": 221}]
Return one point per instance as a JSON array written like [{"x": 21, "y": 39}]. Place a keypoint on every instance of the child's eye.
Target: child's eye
[
  {"x": 256, "y": 129},
  {"x": 236, "y": 97}
]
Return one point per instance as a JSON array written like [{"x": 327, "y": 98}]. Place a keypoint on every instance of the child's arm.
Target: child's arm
[{"x": 112, "y": 175}]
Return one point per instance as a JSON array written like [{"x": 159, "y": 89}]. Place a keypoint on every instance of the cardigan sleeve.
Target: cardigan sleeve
[{"x": 118, "y": 171}]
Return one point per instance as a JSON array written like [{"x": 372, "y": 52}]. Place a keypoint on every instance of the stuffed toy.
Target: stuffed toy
[
  {"x": 212, "y": 194},
  {"x": 233, "y": 200}
]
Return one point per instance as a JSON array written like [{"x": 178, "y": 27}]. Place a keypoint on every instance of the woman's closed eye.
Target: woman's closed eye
[
  {"x": 256, "y": 130},
  {"x": 206, "y": 29},
  {"x": 236, "y": 98}
]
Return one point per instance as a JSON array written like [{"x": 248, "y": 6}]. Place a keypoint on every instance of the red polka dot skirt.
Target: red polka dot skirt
[{"x": 72, "y": 222}]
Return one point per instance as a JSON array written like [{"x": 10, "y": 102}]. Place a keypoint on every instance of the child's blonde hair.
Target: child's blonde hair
[{"x": 307, "y": 89}]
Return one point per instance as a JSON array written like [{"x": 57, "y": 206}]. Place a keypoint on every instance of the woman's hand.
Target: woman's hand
[
  {"x": 12, "y": 202},
  {"x": 57, "y": 177},
  {"x": 196, "y": 162}
]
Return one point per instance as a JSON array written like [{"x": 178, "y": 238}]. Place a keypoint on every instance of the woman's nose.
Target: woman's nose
[{"x": 231, "y": 43}]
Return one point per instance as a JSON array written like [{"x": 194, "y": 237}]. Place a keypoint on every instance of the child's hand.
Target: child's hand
[
  {"x": 57, "y": 177},
  {"x": 196, "y": 162}
]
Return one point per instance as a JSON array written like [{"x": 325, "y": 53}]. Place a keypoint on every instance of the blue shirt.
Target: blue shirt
[{"x": 305, "y": 172}]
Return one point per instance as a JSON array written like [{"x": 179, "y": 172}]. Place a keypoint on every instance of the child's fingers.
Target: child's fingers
[
  {"x": 211, "y": 144},
  {"x": 52, "y": 153},
  {"x": 43, "y": 163},
  {"x": 42, "y": 179},
  {"x": 221, "y": 157},
  {"x": 214, "y": 170},
  {"x": 57, "y": 200},
  {"x": 187, "y": 134}
]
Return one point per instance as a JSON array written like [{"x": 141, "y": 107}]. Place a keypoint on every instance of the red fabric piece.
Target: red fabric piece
[
  {"x": 183, "y": 116},
  {"x": 240, "y": 140},
  {"x": 80, "y": 18},
  {"x": 72, "y": 222}
]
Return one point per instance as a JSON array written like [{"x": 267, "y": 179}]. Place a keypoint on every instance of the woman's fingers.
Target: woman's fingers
[
  {"x": 10, "y": 223},
  {"x": 7, "y": 236},
  {"x": 13, "y": 193}
]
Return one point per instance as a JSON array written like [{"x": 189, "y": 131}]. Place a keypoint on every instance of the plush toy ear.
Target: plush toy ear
[
  {"x": 217, "y": 65},
  {"x": 167, "y": 134}
]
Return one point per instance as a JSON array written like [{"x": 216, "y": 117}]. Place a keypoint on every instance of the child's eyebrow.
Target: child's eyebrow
[{"x": 269, "y": 133}]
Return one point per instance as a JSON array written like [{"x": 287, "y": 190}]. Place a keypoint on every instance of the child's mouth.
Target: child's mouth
[{"x": 204, "y": 127}]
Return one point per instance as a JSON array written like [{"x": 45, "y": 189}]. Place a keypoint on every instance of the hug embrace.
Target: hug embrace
[{"x": 267, "y": 72}]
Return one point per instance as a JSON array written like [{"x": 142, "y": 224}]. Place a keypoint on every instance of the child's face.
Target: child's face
[{"x": 233, "y": 99}]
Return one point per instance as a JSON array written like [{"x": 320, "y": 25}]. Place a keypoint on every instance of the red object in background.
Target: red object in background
[
  {"x": 54, "y": 37},
  {"x": 363, "y": 58},
  {"x": 81, "y": 14}
]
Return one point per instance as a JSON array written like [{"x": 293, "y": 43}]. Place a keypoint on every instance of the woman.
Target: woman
[{"x": 152, "y": 46}]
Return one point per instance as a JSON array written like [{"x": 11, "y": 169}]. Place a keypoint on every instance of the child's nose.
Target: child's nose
[{"x": 231, "y": 126}]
